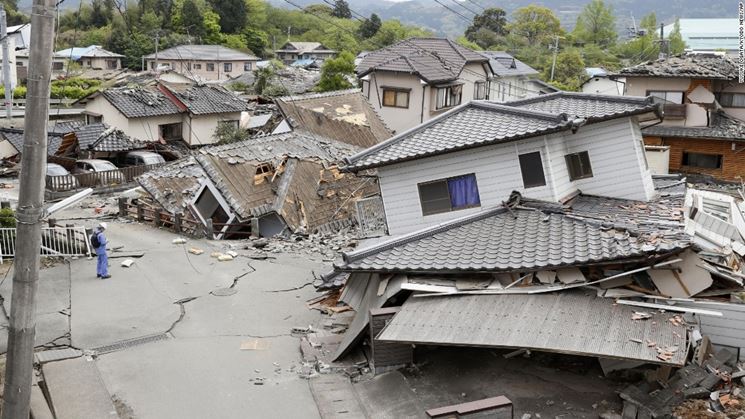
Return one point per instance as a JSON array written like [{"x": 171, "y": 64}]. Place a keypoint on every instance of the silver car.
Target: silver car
[
  {"x": 59, "y": 179},
  {"x": 97, "y": 172}
]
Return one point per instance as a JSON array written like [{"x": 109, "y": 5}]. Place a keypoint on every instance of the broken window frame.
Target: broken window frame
[
  {"x": 448, "y": 96},
  {"x": 529, "y": 174},
  {"x": 444, "y": 184},
  {"x": 479, "y": 90},
  {"x": 579, "y": 165},
  {"x": 699, "y": 158},
  {"x": 400, "y": 96}
]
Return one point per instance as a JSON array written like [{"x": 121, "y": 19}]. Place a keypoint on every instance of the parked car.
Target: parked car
[
  {"x": 59, "y": 179},
  {"x": 97, "y": 172},
  {"x": 140, "y": 158}
]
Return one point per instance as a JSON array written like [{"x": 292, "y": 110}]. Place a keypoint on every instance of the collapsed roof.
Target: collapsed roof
[
  {"x": 343, "y": 115},
  {"x": 15, "y": 138},
  {"x": 721, "y": 127},
  {"x": 101, "y": 137}
]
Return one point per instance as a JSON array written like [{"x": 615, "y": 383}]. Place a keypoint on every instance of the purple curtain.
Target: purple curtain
[{"x": 463, "y": 191}]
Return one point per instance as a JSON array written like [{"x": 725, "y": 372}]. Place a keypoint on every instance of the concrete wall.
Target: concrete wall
[
  {"x": 199, "y": 68},
  {"x": 603, "y": 86},
  {"x": 401, "y": 119},
  {"x": 616, "y": 157}
]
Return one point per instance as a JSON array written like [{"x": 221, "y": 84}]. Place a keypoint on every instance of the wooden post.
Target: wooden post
[
  {"x": 123, "y": 207},
  {"x": 254, "y": 227},
  {"x": 156, "y": 218},
  {"x": 177, "y": 222},
  {"x": 140, "y": 212},
  {"x": 209, "y": 230}
]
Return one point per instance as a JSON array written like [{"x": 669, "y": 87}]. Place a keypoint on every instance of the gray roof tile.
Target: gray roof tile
[
  {"x": 586, "y": 105},
  {"x": 498, "y": 240},
  {"x": 701, "y": 66},
  {"x": 505, "y": 65},
  {"x": 15, "y": 137},
  {"x": 207, "y": 99},
  {"x": 723, "y": 127},
  {"x": 203, "y": 53},
  {"x": 140, "y": 102},
  {"x": 472, "y": 125},
  {"x": 432, "y": 59},
  {"x": 101, "y": 137}
]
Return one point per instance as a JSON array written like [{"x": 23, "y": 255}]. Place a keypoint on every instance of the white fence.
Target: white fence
[{"x": 55, "y": 241}]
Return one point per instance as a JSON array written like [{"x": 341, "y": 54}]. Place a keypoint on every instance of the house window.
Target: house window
[
  {"x": 479, "y": 90},
  {"x": 449, "y": 96},
  {"x": 111, "y": 64},
  {"x": 449, "y": 194},
  {"x": 89, "y": 63},
  {"x": 58, "y": 66},
  {"x": 531, "y": 167},
  {"x": 664, "y": 97},
  {"x": 704, "y": 161},
  {"x": 227, "y": 67},
  {"x": 92, "y": 119},
  {"x": 230, "y": 123},
  {"x": 247, "y": 66},
  {"x": 197, "y": 66},
  {"x": 396, "y": 98},
  {"x": 210, "y": 66},
  {"x": 578, "y": 165},
  {"x": 732, "y": 100},
  {"x": 171, "y": 132}
]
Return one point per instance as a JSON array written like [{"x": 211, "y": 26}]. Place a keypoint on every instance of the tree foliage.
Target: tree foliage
[
  {"x": 370, "y": 27},
  {"x": 676, "y": 44},
  {"x": 341, "y": 10},
  {"x": 535, "y": 24},
  {"x": 596, "y": 25},
  {"x": 336, "y": 72},
  {"x": 492, "y": 20}
]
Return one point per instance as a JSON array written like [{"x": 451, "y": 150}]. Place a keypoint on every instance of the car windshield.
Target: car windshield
[
  {"x": 101, "y": 166},
  {"x": 56, "y": 170}
]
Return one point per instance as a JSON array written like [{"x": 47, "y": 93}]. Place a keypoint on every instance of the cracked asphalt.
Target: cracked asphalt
[{"x": 200, "y": 370}]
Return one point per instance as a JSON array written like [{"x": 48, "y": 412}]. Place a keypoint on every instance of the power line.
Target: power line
[
  {"x": 454, "y": 11},
  {"x": 459, "y": 3},
  {"x": 478, "y": 5}
]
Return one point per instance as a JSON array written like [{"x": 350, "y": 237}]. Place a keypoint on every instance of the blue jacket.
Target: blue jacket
[{"x": 101, "y": 243}]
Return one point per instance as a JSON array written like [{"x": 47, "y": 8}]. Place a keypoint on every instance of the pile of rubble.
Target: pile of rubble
[{"x": 327, "y": 245}]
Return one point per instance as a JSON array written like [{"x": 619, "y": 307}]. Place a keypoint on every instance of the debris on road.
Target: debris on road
[
  {"x": 127, "y": 263},
  {"x": 254, "y": 344},
  {"x": 179, "y": 240},
  {"x": 195, "y": 251}
]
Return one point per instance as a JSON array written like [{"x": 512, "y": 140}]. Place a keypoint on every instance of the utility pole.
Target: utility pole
[
  {"x": 20, "y": 357},
  {"x": 157, "y": 40},
  {"x": 555, "y": 47},
  {"x": 6, "y": 64},
  {"x": 288, "y": 33},
  {"x": 663, "y": 49}
]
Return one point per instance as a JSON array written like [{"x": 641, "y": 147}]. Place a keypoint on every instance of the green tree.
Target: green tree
[
  {"x": 492, "y": 19},
  {"x": 321, "y": 9},
  {"x": 100, "y": 14},
  {"x": 336, "y": 72},
  {"x": 370, "y": 27},
  {"x": 463, "y": 41},
  {"x": 676, "y": 43},
  {"x": 256, "y": 40},
  {"x": 570, "y": 69},
  {"x": 537, "y": 24},
  {"x": 233, "y": 14},
  {"x": 192, "y": 19},
  {"x": 341, "y": 10},
  {"x": 596, "y": 25},
  {"x": 392, "y": 31},
  {"x": 649, "y": 23}
]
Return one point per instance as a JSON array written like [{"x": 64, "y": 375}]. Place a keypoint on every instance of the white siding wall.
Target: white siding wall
[
  {"x": 497, "y": 174},
  {"x": 615, "y": 154},
  {"x": 201, "y": 129},
  {"x": 727, "y": 330}
]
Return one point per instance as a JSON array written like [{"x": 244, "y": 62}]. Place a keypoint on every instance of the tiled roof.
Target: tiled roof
[
  {"x": 303, "y": 47},
  {"x": 342, "y": 115},
  {"x": 101, "y": 137},
  {"x": 432, "y": 59},
  {"x": 723, "y": 127},
  {"x": 207, "y": 99},
  {"x": 140, "y": 102},
  {"x": 701, "y": 66},
  {"x": 586, "y": 105},
  {"x": 498, "y": 240},
  {"x": 92, "y": 51},
  {"x": 505, "y": 65},
  {"x": 173, "y": 185},
  {"x": 472, "y": 125},
  {"x": 63, "y": 127},
  {"x": 15, "y": 137},
  {"x": 202, "y": 53}
]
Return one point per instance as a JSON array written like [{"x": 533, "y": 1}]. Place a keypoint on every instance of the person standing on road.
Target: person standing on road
[{"x": 98, "y": 242}]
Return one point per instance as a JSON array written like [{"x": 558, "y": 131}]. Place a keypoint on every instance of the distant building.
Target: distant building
[
  {"x": 511, "y": 79},
  {"x": 203, "y": 62},
  {"x": 417, "y": 79},
  {"x": 709, "y": 35},
  {"x": 293, "y": 51},
  {"x": 93, "y": 57},
  {"x": 599, "y": 82}
]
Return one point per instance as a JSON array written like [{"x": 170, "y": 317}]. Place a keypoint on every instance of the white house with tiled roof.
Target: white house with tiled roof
[
  {"x": 202, "y": 62},
  {"x": 415, "y": 80},
  {"x": 549, "y": 147}
]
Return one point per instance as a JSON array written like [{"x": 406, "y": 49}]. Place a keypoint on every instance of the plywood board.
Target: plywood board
[
  {"x": 690, "y": 280},
  {"x": 570, "y": 275}
]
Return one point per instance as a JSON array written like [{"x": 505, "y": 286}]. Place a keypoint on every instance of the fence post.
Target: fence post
[
  {"x": 156, "y": 218},
  {"x": 140, "y": 212},
  {"x": 254, "y": 227},
  {"x": 123, "y": 207},
  {"x": 177, "y": 222}
]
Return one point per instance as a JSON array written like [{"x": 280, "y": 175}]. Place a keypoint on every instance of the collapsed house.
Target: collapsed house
[
  {"x": 538, "y": 226},
  {"x": 285, "y": 183}
]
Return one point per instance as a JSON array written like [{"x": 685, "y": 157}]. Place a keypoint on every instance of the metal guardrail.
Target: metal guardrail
[
  {"x": 73, "y": 182},
  {"x": 55, "y": 241}
]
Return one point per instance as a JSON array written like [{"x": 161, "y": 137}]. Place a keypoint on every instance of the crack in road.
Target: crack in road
[{"x": 180, "y": 303}]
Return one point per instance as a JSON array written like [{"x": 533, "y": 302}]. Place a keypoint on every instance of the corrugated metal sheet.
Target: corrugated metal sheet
[
  {"x": 566, "y": 322},
  {"x": 727, "y": 330}
]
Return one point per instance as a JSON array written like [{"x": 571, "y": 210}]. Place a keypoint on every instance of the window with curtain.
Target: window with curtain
[
  {"x": 449, "y": 96},
  {"x": 451, "y": 194},
  {"x": 396, "y": 98},
  {"x": 732, "y": 100},
  {"x": 479, "y": 90},
  {"x": 578, "y": 165}
]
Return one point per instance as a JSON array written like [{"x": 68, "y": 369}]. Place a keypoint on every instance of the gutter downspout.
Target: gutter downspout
[{"x": 421, "y": 117}]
